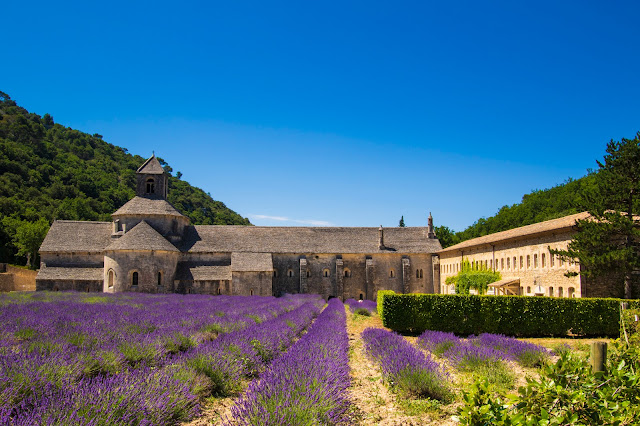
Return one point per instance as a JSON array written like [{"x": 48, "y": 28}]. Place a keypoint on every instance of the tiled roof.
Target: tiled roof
[
  {"x": 147, "y": 207},
  {"x": 189, "y": 272},
  {"x": 554, "y": 225},
  {"x": 70, "y": 273},
  {"x": 77, "y": 236},
  {"x": 142, "y": 237},
  {"x": 248, "y": 262},
  {"x": 152, "y": 166},
  {"x": 255, "y": 239}
]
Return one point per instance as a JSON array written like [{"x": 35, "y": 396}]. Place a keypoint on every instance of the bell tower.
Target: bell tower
[{"x": 151, "y": 181}]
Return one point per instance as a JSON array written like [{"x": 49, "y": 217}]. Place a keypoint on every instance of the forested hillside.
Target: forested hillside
[
  {"x": 49, "y": 171},
  {"x": 565, "y": 199}
]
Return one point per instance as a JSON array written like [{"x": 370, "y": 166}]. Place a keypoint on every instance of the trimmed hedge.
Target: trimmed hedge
[
  {"x": 509, "y": 315},
  {"x": 380, "y": 298},
  {"x": 632, "y": 324}
]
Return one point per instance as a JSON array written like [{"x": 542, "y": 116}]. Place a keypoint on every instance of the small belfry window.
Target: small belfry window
[
  {"x": 151, "y": 186},
  {"x": 110, "y": 276},
  {"x": 134, "y": 278},
  {"x": 347, "y": 273},
  {"x": 325, "y": 273},
  {"x": 290, "y": 273},
  {"x": 392, "y": 273}
]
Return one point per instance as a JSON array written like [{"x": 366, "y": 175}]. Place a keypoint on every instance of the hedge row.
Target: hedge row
[
  {"x": 509, "y": 315},
  {"x": 632, "y": 325}
]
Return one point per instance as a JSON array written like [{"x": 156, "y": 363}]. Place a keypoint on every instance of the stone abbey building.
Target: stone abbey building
[{"x": 151, "y": 247}]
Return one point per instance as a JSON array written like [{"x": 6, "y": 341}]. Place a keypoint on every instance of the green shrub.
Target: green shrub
[
  {"x": 362, "y": 311},
  {"x": 631, "y": 321},
  {"x": 380, "y": 298},
  {"x": 471, "y": 277},
  {"x": 509, "y": 315}
]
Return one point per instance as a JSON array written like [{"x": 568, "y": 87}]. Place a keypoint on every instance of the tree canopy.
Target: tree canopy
[
  {"x": 608, "y": 242},
  {"x": 49, "y": 171}
]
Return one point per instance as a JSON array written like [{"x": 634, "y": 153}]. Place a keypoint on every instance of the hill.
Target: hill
[
  {"x": 49, "y": 171},
  {"x": 537, "y": 206}
]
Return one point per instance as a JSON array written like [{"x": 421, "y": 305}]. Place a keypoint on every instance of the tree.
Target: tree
[
  {"x": 401, "y": 224},
  {"x": 470, "y": 277},
  {"x": 606, "y": 243},
  {"x": 446, "y": 236},
  {"x": 28, "y": 237}
]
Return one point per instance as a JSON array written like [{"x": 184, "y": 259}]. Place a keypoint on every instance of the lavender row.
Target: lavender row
[
  {"x": 308, "y": 384},
  {"x": 484, "y": 348},
  {"x": 354, "y": 305},
  {"x": 405, "y": 367},
  {"x": 30, "y": 380}
]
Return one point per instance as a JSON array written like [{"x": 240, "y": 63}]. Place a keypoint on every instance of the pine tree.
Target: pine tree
[
  {"x": 401, "y": 224},
  {"x": 607, "y": 243}
]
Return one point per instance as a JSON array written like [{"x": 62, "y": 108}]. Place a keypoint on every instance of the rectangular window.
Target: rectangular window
[
  {"x": 544, "y": 261},
  {"x": 508, "y": 263},
  {"x": 521, "y": 263},
  {"x": 502, "y": 263},
  {"x": 535, "y": 260},
  {"x": 528, "y": 261},
  {"x": 552, "y": 259},
  {"x": 514, "y": 262}
]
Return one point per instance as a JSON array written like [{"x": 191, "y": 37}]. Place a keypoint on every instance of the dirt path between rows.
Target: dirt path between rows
[{"x": 374, "y": 403}]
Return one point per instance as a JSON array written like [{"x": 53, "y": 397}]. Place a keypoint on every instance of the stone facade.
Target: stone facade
[
  {"x": 523, "y": 254},
  {"x": 13, "y": 278},
  {"x": 151, "y": 247}
]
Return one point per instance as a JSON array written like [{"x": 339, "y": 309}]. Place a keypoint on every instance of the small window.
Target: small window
[
  {"x": 290, "y": 273},
  {"x": 521, "y": 263},
  {"x": 218, "y": 290},
  {"x": 552, "y": 260},
  {"x": 250, "y": 292},
  {"x": 571, "y": 292},
  {"x": 544, "y": 260},
  {"x": 417, "y": 273},
  {"x": 360, "y": 296},
  {"x": 486, "y": 264},
  {"x": 535, "y": 260},
  {"x": 325, "y": 273},
  {"x": 514, "y": 263},
  {"x": 392, "y": 273},
  {"x": 347, "y": 273},
  {"x": 275, "y": 272},
  {"x": 502, "y": 263},
  {"x": 308, "y": 273},
  {"x": 491, "y": 263},
  {"x": 528, "y": 261},
  {"x": 159, "y": 278},
  {"x": 421, "y": 274},
  {"x": 151, "y": 186},
  {"x": 528, "y": 289},
  {"x": 508, "y": 263},
  {"x": 110, "y": 277},
  {"x": 550, "y": 291},
  {"x": 134, "y": 279},
  {"x": 560, "y": 292},
  {"x": 561, "y": 261}
]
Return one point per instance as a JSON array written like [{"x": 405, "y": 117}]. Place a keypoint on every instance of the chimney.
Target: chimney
[
  {"x": 380, "y": 238},
  {"x": 430, "y": 233}
]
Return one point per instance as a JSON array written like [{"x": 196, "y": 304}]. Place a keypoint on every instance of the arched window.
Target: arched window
[
  {"x": 392, "y": 273},
  {"x": 151, "y": 186},
  {"x": 560, "y": 292},
  {"x": 159, "y": 278},
  {"x": 571, "y": 292},
  {"x": 360, "y": 296},
  {"x": 491, "y": 263},
  {"x": 308, "y": 273},
  {"x": 290, "y": 273},
  {"x": 550, "y": 291},
  {"x": 544, "y": 260},
  {"x": 502, "y": 263},
  {"x": 250, "y": 292},
  {"x": 514, "y": 263},
  {"x": 417, "y": 273},
  {"x": 508, "y": 263},
  {"x": 347, "y": 273},
  {"x": 528, "y": 289},
  {"x": 134, "y": 278},
  {"x": 421, "y": 274},
  {"x": 110, "y": 277},
  {"x": 325, "y": 273},
  {"x": 552, "y": 260},
  {"x": 218, "y": 290},
  {"x": 521, "y": 263},
  {"x": 528, "y": 261},
  {"x": 535, "y": 260}
]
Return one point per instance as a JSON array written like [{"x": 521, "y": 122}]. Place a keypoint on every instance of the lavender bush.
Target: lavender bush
[
  {"x": 307, "y": 385},
  {"x": 524, "y": 353},
  {"x": 405, "y": 367},
  {"x": 361, "y": 306}
]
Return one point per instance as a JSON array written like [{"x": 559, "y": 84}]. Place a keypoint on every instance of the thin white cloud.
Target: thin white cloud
[{"x": 311, "y": 222}]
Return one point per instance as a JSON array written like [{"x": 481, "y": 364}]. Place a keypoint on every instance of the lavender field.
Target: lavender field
[{"x": 136, "y": 359}]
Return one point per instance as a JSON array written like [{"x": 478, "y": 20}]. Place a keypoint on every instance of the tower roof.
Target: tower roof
[
  {"x": 142, "y": 237},
  {"x": 151, "y": 167},
  {"x": 142, "y": 206}
]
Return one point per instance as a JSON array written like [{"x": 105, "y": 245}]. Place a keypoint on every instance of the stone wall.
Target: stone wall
[
  {"x": 17, "y": 279},
  {"x": 534, "y": 264},
  {"x": 147, "y": 264},
  {"x": 67, "y": 285},
  {"x": 249, "y": 283}
]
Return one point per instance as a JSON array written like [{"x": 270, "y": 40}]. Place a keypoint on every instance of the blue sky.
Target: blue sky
[{"x": 339, "y": 113}]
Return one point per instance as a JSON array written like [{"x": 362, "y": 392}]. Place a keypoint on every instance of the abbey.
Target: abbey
[{"x": 151, "y": 247}]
